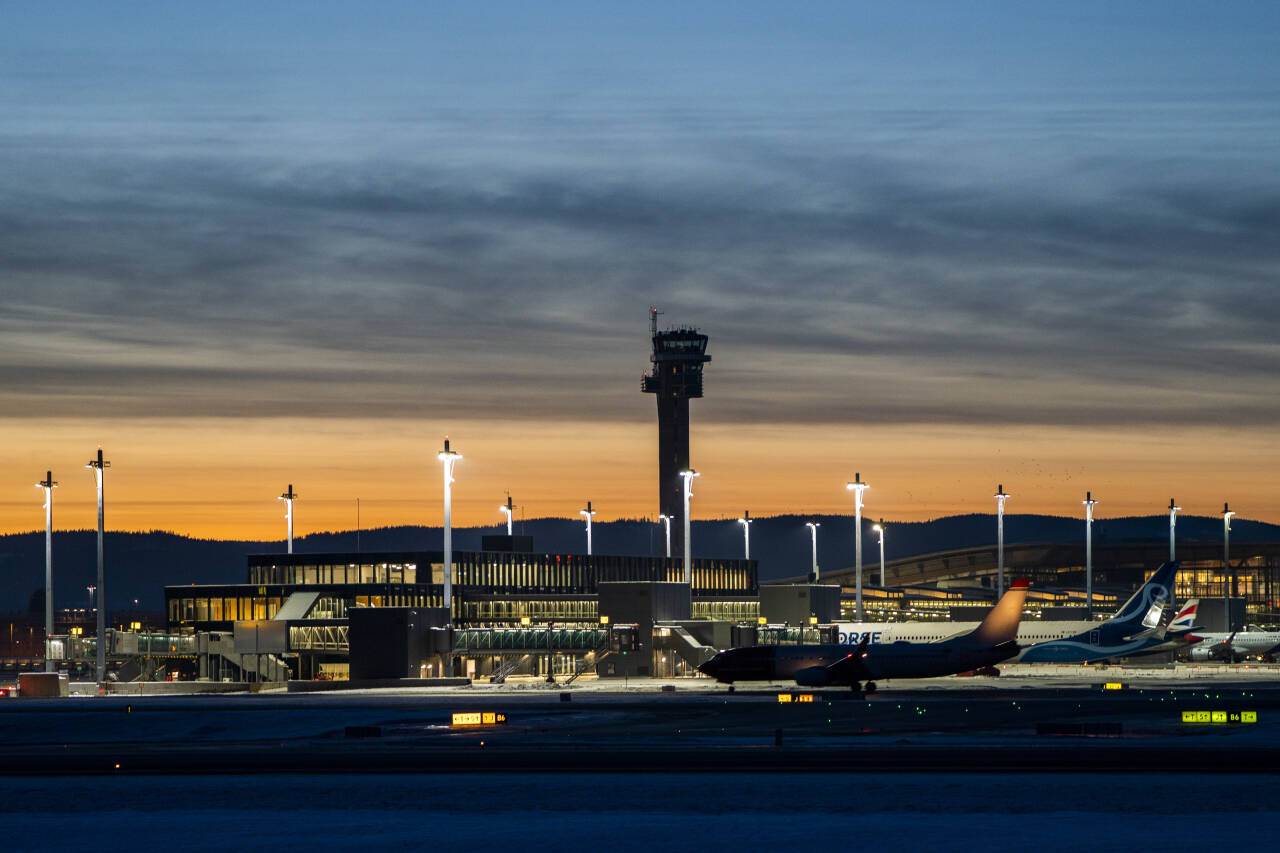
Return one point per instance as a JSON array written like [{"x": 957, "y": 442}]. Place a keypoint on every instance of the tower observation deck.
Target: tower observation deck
[{"x": 676, "y": 377}]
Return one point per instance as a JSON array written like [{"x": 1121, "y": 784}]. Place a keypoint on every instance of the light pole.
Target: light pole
[
  {"x": 857, "y": 487},
  {"x": 688, "y": 476},
  {"x": 588, "y": 512},
  {"x": 745, "y": 521},
  {"x": 666, "y": 523},
  {"x": 1226, "y": 564},
  {"x": 1089, "y": 503},
  {"x": 813, "y": 545},
  {"x": 1174, "y": 509},
  {"x": 48, "y": 485},
  {"x": 289, "y": 497},
  {"x": 99, "y": 465},
  {"x": 879, "y": 528},
  {"x": 1001, "y": 497},
  {"x": 448, "y": 458},
  {"x": 508, "y": 508}
]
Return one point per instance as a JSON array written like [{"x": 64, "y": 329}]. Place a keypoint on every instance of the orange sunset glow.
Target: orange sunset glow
[{"x": 220, "y": 479}]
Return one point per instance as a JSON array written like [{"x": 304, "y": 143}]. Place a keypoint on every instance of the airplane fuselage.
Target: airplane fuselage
[{"x": 819, "y": 665}]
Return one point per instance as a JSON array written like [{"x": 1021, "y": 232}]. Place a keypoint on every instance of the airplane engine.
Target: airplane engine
[
  {"x": 1219, "y": 651},
  {"x": 813, "y": 676}
]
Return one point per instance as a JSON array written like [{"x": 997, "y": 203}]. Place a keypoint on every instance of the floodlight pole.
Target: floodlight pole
[
  {"x": 99, "y": 465},
  {"x": 1089, "y": 503},
  {"x": 1174, "y": 509},
  {"x": 666, "y": 523},
  {"x": 1001, "y": 497},
  {"x": 509, "y": 509},
  {"x": 48, "y": 485},
  {"x": 1226, "y": 564},
  {"x": 813, "y": 537},
  {"x": 448, "y": 458},
  {"x": 688, "y": 476},
  {"x": 289, "y": 497},
  {"x": 745, "y": 521},
  {"x": 588, "y": 512},
  {"x": 857, "y": 487},
  {"x": 879, "y": 528}
]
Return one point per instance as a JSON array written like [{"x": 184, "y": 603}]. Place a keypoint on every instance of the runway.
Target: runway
[{"x": 1046, "y": 723}]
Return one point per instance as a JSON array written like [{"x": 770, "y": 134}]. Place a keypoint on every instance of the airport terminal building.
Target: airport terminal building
[
  {"x": 514, "y": 611},
  {"x": 517, "y": 611}
]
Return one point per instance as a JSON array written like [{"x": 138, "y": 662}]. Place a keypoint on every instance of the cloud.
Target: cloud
[{"x": 1086, "y": 258}]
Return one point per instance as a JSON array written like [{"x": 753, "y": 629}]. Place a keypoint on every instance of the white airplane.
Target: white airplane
[
  {"x": 1134, "y": 630},
  {"x": 1221, "y": 645}
]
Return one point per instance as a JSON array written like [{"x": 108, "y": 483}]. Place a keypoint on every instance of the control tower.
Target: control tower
[{"x": 678, "y": 356}]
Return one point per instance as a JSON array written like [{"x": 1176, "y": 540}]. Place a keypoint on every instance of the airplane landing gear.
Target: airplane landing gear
[
  {"x": 855, "y": 686},
  {"x": 871, "y": 687}
]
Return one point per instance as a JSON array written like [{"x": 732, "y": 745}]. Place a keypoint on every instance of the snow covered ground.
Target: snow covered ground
[{"x": 641, "y": 812}]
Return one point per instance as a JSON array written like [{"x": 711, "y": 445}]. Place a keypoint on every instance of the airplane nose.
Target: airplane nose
[{"x": 710, "y": 667}]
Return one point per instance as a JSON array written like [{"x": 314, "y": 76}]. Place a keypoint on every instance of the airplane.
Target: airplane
[
  {"x": 1221, "y": 645},
  {"x": 990, "y": 643},
  {"x": 1030, "y": 632},
  {"x": 1134, "y": 630}
]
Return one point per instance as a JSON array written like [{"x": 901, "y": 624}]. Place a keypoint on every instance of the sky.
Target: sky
[{"x": 947, "y": 245}]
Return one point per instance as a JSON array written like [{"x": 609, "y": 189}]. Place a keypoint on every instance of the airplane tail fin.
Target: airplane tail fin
[
  {"x": 1001, "y": 623},
  {"x": 1186, "y": 618},
  {"x": 1146, "y": 604}
]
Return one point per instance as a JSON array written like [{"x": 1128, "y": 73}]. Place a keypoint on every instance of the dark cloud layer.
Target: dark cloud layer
[{"x": 279, "y": 238}]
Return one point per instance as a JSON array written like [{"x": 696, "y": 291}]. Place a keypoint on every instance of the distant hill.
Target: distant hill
[{"x": 139, "y": 565}]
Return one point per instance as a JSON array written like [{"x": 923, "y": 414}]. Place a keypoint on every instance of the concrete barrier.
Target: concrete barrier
[
  {"x": 43, "y": 685},
  {"x": 374, "y": 683},
  {"x": 180, "y": 688}
]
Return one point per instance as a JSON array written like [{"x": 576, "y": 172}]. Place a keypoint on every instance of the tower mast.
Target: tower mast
[{"x": 675, "y": 378}]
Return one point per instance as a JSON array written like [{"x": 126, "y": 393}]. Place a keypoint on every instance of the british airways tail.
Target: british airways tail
[{"x": 1185, "y": 621}]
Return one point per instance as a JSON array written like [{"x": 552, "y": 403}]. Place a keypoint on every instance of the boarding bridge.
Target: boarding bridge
[
  {"x": 676, "y": 639},
  {"x": 224, "y": 656},
  {"x": 529, "y": 640},
  {"x": 131, "y": 655}
]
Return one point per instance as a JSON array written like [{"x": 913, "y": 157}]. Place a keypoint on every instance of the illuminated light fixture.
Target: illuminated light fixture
[
  {"x": 448, "y": 459},
  {"x": 48, "y": 485},
  {"x": 99, "y": 465},
  {"x": 1227, "y": 512},
  {"x": 588, "y": 513},
  {"x": 509, "y": 510},
  {"x": 879, "y": 528},
  {"x": 1001, "y": 497},
  {"x": 858, "y": 488},
  {"x": 745, "y": 521},
  {"x": 813, "y": 545},
  {"x": 1089, "y": 504},
  {"x": 289, "y": 497},
  {"x": 666, "y": 523},
  {"x": 687, "y": 477}
]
